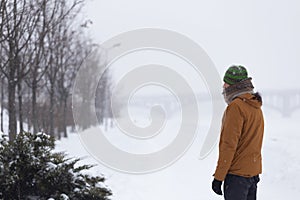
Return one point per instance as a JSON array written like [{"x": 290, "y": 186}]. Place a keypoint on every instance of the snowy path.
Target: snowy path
[{"x": 190, "y": 178}]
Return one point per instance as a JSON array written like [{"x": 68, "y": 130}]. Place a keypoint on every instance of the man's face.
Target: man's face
[{"x": 225, "y": 85}]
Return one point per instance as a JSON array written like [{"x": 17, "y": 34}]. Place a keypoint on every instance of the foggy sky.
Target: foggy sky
[{"x": 262, "y": 35}]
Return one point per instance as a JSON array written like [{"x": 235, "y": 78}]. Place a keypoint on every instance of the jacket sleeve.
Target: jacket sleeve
[{"x": 232, "y": 125}]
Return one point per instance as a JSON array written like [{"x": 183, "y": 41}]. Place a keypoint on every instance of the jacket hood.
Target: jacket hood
[{"x": 251, "y": 100}]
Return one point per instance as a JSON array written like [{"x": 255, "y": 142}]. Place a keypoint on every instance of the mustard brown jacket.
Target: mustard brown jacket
[{"x": 241, "y": 138}]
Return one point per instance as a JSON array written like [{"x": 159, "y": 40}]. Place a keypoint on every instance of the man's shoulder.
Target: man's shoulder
[
  {"x": 235, "y": 103},
  {"x": 235, "y": 106}
]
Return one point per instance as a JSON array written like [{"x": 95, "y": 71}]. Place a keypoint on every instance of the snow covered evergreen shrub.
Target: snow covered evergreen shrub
[{"x": 29, "y": 169}]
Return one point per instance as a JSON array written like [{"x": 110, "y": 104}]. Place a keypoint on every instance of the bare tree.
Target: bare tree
[
  {"x": 2, "y": 6},
  {"x": 2, "y": 102},
  {"x": 103, "y": 98},
  {"x": 38, "y": 65},
  {"x": 84, "y": 90},
  {"x": 42, "y": 44},
  {"x": 51, "y": 74},
  {"x": 54, "y": 13},
  {"x": 19, "y": 19},
  {"x": 61, "y": 55},
  {"x": 76, "y": 51}
]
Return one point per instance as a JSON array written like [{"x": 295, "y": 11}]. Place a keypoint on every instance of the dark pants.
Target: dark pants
[{"x": 240, "y": 188}]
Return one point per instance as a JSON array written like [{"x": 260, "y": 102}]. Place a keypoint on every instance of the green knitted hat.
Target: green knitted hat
[{"x": 235, "y": 74}]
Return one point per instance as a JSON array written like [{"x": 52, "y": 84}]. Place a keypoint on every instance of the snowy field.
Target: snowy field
[{"x": 190, "y": 178}]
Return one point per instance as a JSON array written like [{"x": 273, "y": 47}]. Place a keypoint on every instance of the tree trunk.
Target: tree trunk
[
  {"x": 33, "y": 104},
  {"x": 65, "y": 118},
  {"x": 12, "y": 127},
  {"x": 20, "y": 106},
  {"x": 51, "y": 110},
  {"x": 28, "y": 114},
  {"x": 2, "y": 102}
]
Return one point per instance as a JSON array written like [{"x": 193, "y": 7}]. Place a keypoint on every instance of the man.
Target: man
[{"x": 239, "y": 163}]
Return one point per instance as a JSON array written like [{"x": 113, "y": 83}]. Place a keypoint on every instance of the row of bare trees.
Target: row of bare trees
[{"x": 42, "y": 46}]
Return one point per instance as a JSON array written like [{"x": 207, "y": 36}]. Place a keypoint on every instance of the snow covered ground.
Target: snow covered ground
[{"x": 190, "y": 178}]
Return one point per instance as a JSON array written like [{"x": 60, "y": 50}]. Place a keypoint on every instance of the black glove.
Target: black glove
[{"x": 216, "y": 187}]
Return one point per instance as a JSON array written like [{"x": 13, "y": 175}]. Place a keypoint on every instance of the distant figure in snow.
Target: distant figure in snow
[{"x": 240, "y": 160}]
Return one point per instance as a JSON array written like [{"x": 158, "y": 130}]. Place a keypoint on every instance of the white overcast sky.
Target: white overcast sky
[{"x": 263, "y": 35}]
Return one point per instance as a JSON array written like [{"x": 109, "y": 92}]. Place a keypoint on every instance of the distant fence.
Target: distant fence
[{"x": 284, "y": 101}]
